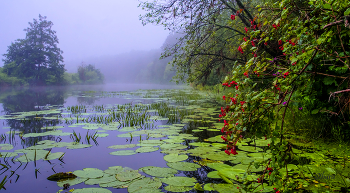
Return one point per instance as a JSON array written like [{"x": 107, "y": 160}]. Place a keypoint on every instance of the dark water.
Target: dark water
[
  {"x": 24, "y": 177},
  {"x": 28, "y": 99}
]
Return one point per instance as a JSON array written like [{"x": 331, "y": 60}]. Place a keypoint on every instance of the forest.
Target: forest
[{"x": 282, "y": 67}]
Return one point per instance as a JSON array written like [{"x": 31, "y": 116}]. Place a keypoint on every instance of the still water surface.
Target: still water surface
[{"x": 32, "y": 176}]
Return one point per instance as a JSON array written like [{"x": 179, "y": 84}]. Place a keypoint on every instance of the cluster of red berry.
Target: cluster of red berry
[
  {"x": 230, "y": 84},
  {"x": 278, "y": 88},
  {"x": 253, "y": 44},
  {"x": 285, "y": 74},
  {"x": 240, "y": 49},
  {"x": 270, "y": 170},
  {"x": 290, "y": 41},
  {"x": 245, "y": 74},
  {"x": 231, "y": 151},
  {"x": 275, "y": 26},
  {"x": 246, "y": 29}
]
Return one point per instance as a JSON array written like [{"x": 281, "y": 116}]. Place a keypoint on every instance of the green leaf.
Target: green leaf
[
  {"x": 347, "y": 12},
  {"x": 175, "y": 157},
  {"x": 123, "y": 152},
  {"x": 198, "y": 187},
  {"x": 158, "y": 171},
  {"x": 329, "y": 80},
  {"x": 179, "y": 181},
  {"x": 127, "y": 175},
  {"x": 327, "y": 6},
  {"x": 146, "y": 183},
  {"x": 146, "y": 149},
  {"x": 92, "y": 190},
  {"x": 184, "y": 166},
  {"x": 89, "y": 173}
]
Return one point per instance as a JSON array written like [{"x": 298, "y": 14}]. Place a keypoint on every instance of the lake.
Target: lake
[{"x": 48, "y": 130}]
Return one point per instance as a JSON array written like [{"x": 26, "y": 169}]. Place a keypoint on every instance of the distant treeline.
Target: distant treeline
[
  {"x": 138, "y": 66},
  {"x": 36, "y": 60}
]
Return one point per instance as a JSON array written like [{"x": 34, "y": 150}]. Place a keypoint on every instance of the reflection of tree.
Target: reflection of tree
[
  {"x": 87, "y": 100},
  {"x": 33, "y": 99},
  {"x": 26, "y": 99}
]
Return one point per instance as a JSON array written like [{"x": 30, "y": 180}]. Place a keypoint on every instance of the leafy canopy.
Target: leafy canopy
[{"x": 36, "y": 59}]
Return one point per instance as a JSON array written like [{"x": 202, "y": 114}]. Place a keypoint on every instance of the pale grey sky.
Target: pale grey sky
[{"x": 85, "y": 28}]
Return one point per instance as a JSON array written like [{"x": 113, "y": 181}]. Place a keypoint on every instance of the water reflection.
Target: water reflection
[{"x": 57, "y": 99}]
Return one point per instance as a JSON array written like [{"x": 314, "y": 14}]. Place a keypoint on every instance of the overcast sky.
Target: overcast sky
[{"x": 85, "y": 28}]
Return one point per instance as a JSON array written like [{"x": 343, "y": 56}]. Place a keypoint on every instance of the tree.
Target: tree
[
  {"x": 209, "y": 34},
  {"x": 286, "y": 54},
  {"x": 36, "y": 59},
  {"x": 88, "y": 74}
]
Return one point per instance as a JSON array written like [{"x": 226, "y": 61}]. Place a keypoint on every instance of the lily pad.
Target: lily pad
[
  {"x": 92, "y": 190},
  {"x": 89, "y": 173},
  {"x": 178, "y": 188},
  {"x": 184, "y": 166},
  {"x": 6, "y": 146},
  {"x": 175, "y": 157},
  {"x": 148, "y": 190},
  {"x": 122, "y": 146},
  {"x": 104, "y": 179},
  {"x": 158, "y": 171},
  {"x": 31, "y": 155},
  {"x": 8, "y": 154},
  {"x": 127, "y": 135},
  {"x": 102, "y": 134},
  {"x": 231, "y": 172},
  {"x": 146, "y": 149},
  {"x": 113, "y": 170},
  {"x": 226, "y": 188},
  {"x": 250, "y": 148},
  {"x": 153, "y": 142},
  {"x": 200, "y": 144},
  {"x": 179, "y": 181},
  {"x": 115, "y": 184},
  {"x": 123, "y": 152},
  {"x": 219, "y": 156},
  {"x": 146, "y": 183},
  {"x": 78, "y": 146},
  {"x": 174, "y": 140},
  {"x": 209, "y": 187},
  {"x": 177, "y": 151},
  {"x": 218, "y": 166},
  {"x": 127, "y": 175},
  {"x": 52, "y": 156},
  {"x": 172, "y": 146}
]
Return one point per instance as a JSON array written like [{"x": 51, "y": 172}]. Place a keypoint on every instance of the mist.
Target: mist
[{"x": 107, "y": 34}]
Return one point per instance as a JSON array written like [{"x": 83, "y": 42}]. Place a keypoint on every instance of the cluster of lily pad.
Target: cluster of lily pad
[{"x": 171, "y": 140}]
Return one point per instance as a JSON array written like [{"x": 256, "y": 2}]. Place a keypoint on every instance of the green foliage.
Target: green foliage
[
  {"x": 36, "y": 59},
  {"x": 88, "y": 74},
  {"x": 284, "y": 55},
  {"x": 6, "y": 80}
]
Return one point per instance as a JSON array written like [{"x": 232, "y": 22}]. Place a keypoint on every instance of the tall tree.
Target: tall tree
[
  {"x": 209, "y": 34},
  {"x": 36, "y": 59}
]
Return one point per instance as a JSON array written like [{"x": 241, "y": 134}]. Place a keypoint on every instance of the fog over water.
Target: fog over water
[{"x": 105, "y": 33}]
